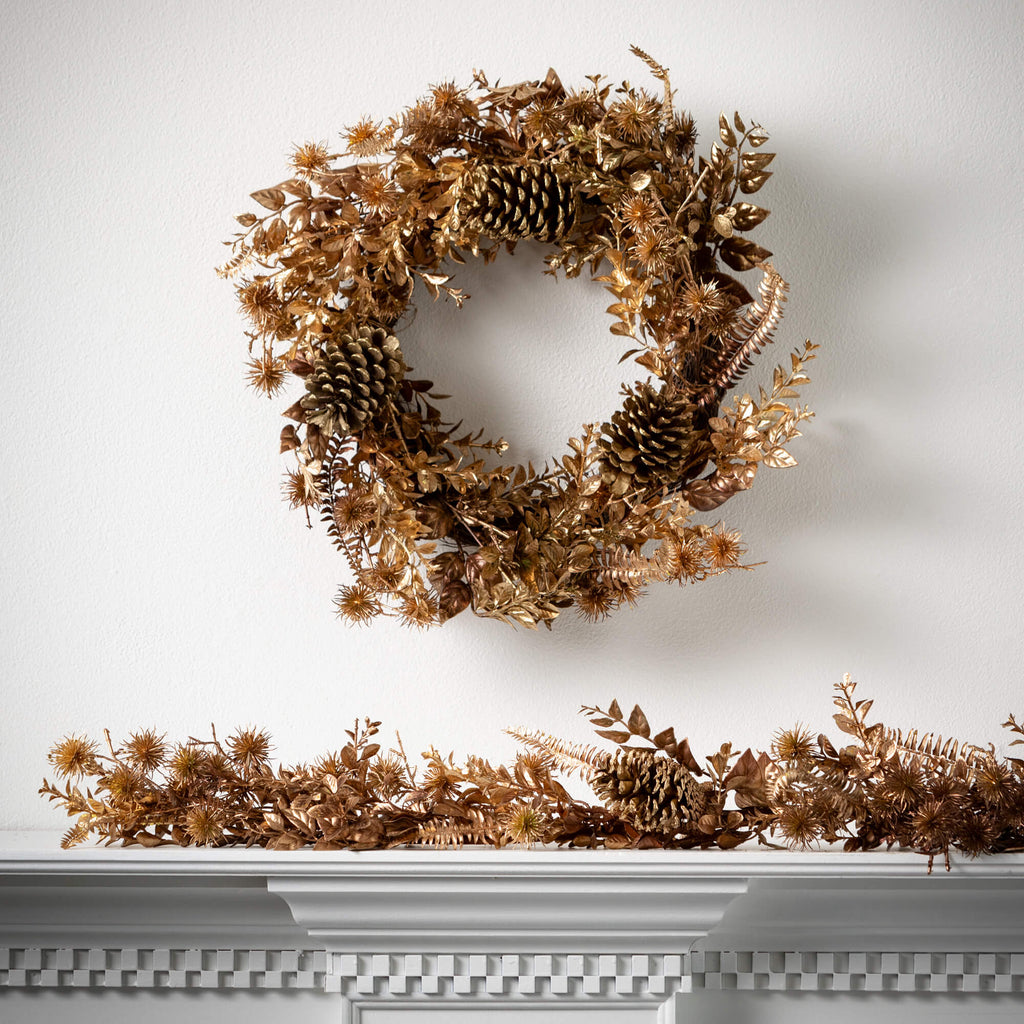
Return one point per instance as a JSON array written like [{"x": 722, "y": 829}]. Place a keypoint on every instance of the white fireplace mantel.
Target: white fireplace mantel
[{"x": 412, "y": 930}]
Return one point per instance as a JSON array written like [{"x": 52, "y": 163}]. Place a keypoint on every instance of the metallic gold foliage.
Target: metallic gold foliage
[
  {"x": 310, "y": 158},
  {"x": 267, "y": 374},
  {"x": 886, "y": 788},
  {"x": 428, "y": 518},
  {"x": 73, "y": 756}
]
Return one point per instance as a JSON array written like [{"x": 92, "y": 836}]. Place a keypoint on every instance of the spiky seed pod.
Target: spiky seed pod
[
  {"x": 510, "y": 201},
  {"x": 650, "y": 792},
  {"x": 647, "y": 441},
  {"x": 354, "y": 379}
]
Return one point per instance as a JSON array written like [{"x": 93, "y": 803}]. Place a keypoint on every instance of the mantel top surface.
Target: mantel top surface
[{"x": 39, "y": 854}]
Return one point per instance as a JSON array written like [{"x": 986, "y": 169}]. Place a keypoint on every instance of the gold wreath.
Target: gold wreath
[{"x": 428, "y": 523}]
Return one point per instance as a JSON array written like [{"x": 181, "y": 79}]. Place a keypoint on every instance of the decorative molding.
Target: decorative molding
[
  {"x": 164, "y": 968},
  {"x": 574, "y": 976},
  {"x": 435, "y": 976},
  {"x": 859, "y": 972},
  {"x": 583, "y": 911},
  {"x": 604, "y": 978}
]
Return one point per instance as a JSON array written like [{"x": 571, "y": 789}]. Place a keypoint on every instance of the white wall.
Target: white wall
[{"x": 152, "y": 576}]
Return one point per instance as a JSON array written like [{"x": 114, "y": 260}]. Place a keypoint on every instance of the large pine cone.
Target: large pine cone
[
  {"x": 647, "y": 441},
  {"x": 650, "y": 792},
  {"x": 354, "y": 378},
  {"x": 510, "y": 201}
]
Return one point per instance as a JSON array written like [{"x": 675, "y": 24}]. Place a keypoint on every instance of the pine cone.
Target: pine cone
[
  {"x": 509, "y": 201},
  {"x": 649, "y": 792},
  {"x": 354, "y": 378},
  {"x": 648, "y": 440}
]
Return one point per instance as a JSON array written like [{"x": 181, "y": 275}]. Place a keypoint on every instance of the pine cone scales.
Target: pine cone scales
[
  {"x": 520, "y": 201},
  {"x": 649, "y": 792},
  {"x": 354, "y": 378},
  {"x": 647, "y": 440}
]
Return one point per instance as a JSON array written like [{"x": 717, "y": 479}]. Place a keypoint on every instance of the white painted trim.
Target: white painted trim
[
  {"x": 996, "y": 973},
  {"x": 163, "y": 968},
  {"x": 512, "y": 980},
  {"x": 39, "y": 853},
  {"x": 581, "y": 911},
  {"x": 507, "y": 929}
]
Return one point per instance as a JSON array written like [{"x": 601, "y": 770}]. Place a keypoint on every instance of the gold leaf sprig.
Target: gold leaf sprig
[{"x": 890, "y": 788}]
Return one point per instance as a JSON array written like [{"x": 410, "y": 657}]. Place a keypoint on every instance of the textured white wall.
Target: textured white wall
[{"x": 152, "y": 576}]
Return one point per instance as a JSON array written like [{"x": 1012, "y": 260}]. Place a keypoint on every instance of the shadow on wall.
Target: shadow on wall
[{"x": 530, "y": 358}]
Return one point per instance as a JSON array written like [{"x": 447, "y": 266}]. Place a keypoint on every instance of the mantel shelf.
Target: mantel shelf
[
  {"x": 39, "y": 854},
  {"x": 509, "y": 900}
]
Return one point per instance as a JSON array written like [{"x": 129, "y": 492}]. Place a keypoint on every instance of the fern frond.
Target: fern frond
[
  {"x": 337, "y": 450},
  {"x": 76, "y": 834},
  {"x": 661, "y": 74},
  {"x": 343, "y": 544},
  {"x": 932, "y": 749},
  {"x": 569, "y": 757},
  {"x": 746, "y": 338},
  {"x": 635, "y": 567},
  {"x": 448, "y": 834},
  {"x": 237, "y": 264}
]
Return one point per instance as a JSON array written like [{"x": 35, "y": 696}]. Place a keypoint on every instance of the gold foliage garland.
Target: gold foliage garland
[
  {"x": 606, "y": 176},
  {"x": 885, "y": 788}
]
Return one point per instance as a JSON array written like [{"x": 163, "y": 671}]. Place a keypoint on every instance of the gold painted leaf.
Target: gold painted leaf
[
  {"x": 639, "y": 180},
  {"x": 297, "y": 187},
  {"x": 748, "y": 216},
  {"x": 720, "y": 161},
  {"x": 725, "y": 130},
  {"x": 638, "y": 723},
  {"x": 289, "y": 439},
  {"x": 665, "y": 738},
  {"x": 755, "y": 161},
  {"x": 730, "y": 840},
  {"x": 847, "y": 724},
  {"x": 752, "y": 183},
  {"x": 742, "y": 254},
  {"x": 277, "y": 232},
  {"x": 615, "y": 735},
  {"x": 271, "y": 198},
  {"x": 779, "y": 458}
]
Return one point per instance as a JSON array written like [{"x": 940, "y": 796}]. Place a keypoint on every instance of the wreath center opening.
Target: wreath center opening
[{"x": 528, "y": 357}]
